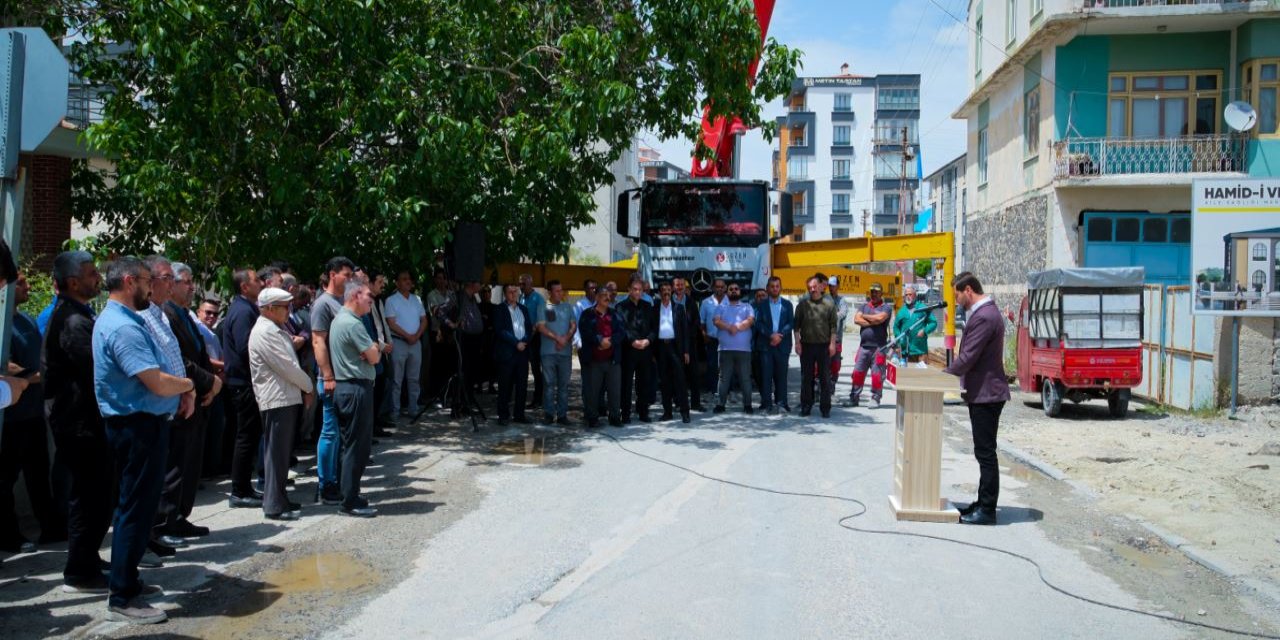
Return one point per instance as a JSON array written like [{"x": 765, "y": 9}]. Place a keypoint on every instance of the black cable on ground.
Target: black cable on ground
[{"x": 862, "y": 506}]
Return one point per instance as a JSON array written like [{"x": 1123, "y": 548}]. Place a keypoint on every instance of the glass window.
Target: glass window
[
  {"x": 1099, "y": 230},
  {"x": 982, "y": 156},
  {"x": 1260, "y": 252},
  {"x": 1164, "y": 106},
  {"x": 1031, "y": 122},
  {"x": 1127, "y": 229},
  {"x": 1206, "y": 115},
  {"x": 1267, "y": 110},
  {"x": 1175, "y": 83},
  {"x": 1119, "y": 84},
  {"x": 1268, "y": 72},
  {"x": 844, "y": 102},
  {"x": 683, "y": 214},
  {"x": 1118, "y": 123},
  {"x": 1181, "y": 231},
  {"x": 840, "y": 203},
  {"x": 1011, "y": 21},
  {"x": 1208, "y": 81},
  {"x": 840, "y": 169},
  {"x": 891, "y": 201},
  {"x": 1146, "y": 83},
  {"x": 1155, "y": 230},
  {"x": 840, "y": 135},
  {"x": 977, "y": 44},
  {"x": 798, "y": 167},
  {"x": 839, "y": 233},
  {"x": 1259, "y": 279},
  {"x": 1146, "y": 118}
]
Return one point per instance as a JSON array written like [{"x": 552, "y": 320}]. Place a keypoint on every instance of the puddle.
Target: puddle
[
  {"x": 1023, "y": 472},
  {"x": 279, "y": 606},
  {"x": 531, "y": 450}
]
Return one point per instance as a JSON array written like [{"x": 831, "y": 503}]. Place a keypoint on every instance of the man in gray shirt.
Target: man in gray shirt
[
  {"x": 353, "y": 356},
  {"x": 557, "y": 325}
]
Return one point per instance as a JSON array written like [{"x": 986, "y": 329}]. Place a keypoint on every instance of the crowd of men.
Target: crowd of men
[{"x": 175, "y": 387}]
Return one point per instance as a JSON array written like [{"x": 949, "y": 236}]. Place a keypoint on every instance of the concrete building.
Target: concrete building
[
  {"x": 947, "y": 199},
  {"x": 599, "y": 242},
  {"x": 1088, "y": 120},
  {"x": 840, "y": 153}
]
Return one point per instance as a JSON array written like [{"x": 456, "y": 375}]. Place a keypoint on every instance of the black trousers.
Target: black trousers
[
  {"x": 985, "y": 418},
  {"x": 473, "y": 367},
  {"x": 443, "y": 364},
  {"x": 248, "y": 439},
  {"x": 182, "y": 468},
  {"x": 599, "y": 379},
  {"x": 670, "y": 370},
  {"x": 814, "y": 355},
  {"x": 534, "y": 353},
  {"x": 91, "y": 500},
  {"x": 279, "y": 425},
  {"x": 692, "y": 378},
  {"x": 513, "y": 384},
  {"x": 637, "y": 376},
  {"x": 353, "y": 404},
  {"x": 24, "y": 450}
]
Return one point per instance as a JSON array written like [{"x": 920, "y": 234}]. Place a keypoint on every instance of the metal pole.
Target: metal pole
[
  {"x": 1235, "y": 365},
  {"x": 13, "y": 50}
]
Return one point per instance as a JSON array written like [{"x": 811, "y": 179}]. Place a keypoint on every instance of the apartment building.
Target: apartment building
[
  {"x": 947, "y": 194},
  {"x": 846, "y": 151},
  {"x": 1088, "y": 120}
]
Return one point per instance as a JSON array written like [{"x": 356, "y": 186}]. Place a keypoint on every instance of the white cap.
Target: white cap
[
  {"x": 833, "y": 281},
  {"x": 273, "y": 295}
]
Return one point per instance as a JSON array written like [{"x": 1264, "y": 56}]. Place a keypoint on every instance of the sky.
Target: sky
[{"x": 874, "y": 37}]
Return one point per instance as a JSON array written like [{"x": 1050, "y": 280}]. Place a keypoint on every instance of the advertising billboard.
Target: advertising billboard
[{"x": 1235, "y": 246}]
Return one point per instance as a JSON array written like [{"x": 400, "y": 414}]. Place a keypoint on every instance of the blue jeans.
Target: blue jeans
[
  {"x": 555, "y": 395},
  {"x": 327, "y": 445},
  {"x": 140, "y": 445}
]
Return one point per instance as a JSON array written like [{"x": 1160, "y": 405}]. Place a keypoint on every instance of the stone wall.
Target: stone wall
[{"x": 1002, "y": 246}]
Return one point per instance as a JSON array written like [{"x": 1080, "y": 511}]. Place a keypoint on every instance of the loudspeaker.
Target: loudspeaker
[{"x": 466, "y": 253}]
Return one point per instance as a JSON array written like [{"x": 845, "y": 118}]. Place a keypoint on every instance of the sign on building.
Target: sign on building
[{"x": 1235, "y": 246}]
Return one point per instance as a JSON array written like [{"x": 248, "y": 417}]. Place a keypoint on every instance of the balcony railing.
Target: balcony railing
[
  {"x": 1097, "y": 157},
  {"x": 1124, "y": 4}
]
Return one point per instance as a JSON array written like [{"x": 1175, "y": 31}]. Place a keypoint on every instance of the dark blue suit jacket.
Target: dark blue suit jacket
[
  {"x": 504, "y": 345},
  {"x": 764, "y": 328}
]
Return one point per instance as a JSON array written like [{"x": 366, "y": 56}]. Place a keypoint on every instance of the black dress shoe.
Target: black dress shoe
[
  {"x": 185, "y": 529},
  {"x": 666, "y": 415},
  {"x": 718, "y": 409},
  {"x": 161, "y": 549},
  {"x": 684, "y": 417},
  {"x": 502, "y": 422},
  {"x": 805, "y": 411},
  {"x": 172, "y": 541},
  {"x": 644, "y": 417},
  {"x": 243, "y": 502},
  {"x": 980, "y": 515},
  {"x": 964, "y": 511},
  {"x": 826, "y": 414}
]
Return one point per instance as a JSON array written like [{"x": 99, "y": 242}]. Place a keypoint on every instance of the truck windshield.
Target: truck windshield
[{"x": 698, "y": 215}]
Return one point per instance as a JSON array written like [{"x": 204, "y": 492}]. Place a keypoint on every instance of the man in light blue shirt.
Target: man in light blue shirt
[
  {"x": 734, "y": 320},
  {"x": 710, "y": 334},
  {"x": 138, "y": 392}
]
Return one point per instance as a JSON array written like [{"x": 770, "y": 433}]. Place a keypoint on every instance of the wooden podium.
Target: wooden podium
[{"x": 917, "y": 450}]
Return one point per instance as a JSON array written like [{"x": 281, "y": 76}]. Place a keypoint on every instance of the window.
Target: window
[
  {"x": 977, "y": 45},
  {"x": 1181, "y": 230},
  {"x": 1011, "y": 21},
  {"x": 982, "y": 156},
  {"x": 839, "y": 233},
  {"x": 1163, "y": 105},
  {"x": 898, "y": 97},
  {"x": 891, "y": 204},
  {"x": 1259, "y": 280},
  {"x": 1037, "y": 10},
  {"x": 1099, "y": 230},
  {"x": 844, "y": 102},
  {"x": 1260, "y": 252},
  {"x": 840, "y": 135},
  {"x": 1261, "y": 88},
  {"x": 840, "y": 203},
  {"x": 1127, "y": 230},
  {"x": 840, "y": 169},
  {"x": 889, "y": 131},
  {"x": 889, "y": 166},
  {"x": 1031, "y": 122},
  {"x": 1155, "y": 230},
  {"x": 797, "y": 136},
  {"x": 798, "y": 167},
  {"x": 797, "y": 205}
]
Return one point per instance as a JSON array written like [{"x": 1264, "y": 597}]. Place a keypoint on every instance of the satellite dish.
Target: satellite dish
[{"x": 1240, "y": 116}]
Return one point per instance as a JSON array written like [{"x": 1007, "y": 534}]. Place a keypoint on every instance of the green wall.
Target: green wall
[
  {"x": 1082, "y": 66},
  {"x": 1264, "y": 158},
  {"x": 1258, "y": 39}
]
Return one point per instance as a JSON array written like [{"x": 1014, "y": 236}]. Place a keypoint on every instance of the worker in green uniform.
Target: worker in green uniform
[{"x": 916, "y": 346}]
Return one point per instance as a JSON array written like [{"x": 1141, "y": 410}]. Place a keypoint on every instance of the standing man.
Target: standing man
[
  {"x": 775, "y": 323},
  {"x": 672, "y": 352},
  {"x": 241, "y": 316},
  {"x": 588, "y": 300},
  {"x": 816, "y": 342},
  {"x": 354, "y": 356},
  {"x": 282, "y": 390},
  {"x": 842, "y": 315},
  {"x": 78, "y": 432},
  {"x": 443, "y": 355},
  {"x": 980, "y": 365},
  {"x": 733, "y": 322},
  {"x": 24, "y": 448},
  {"x": 916, "y": 346},
  {"x": 186, "y": 436},
  {"x": 689, "y": 309},
  {"x": 536, "y": 305},
  {"x": 711, "y": 334},
  {"x": 558, "y": 326},
  {"x": 408, "y": 320},
  {"x": 375, "y": 323},
  {"x": 326, "y": 307},
  {"x": 513, "y": 331},
  {"x": 602, "y": 332},
  {"x": 637, "y": 353},
  {"x": 138, "y": 392},
  {"x": 471, "y": 343},
  {"x": 873, "y": 317}
]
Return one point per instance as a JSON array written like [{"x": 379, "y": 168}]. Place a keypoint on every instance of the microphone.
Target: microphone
[{"x": 936, "y": 305}]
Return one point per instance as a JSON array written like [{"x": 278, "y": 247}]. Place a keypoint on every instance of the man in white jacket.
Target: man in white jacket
[{"x": 281, "y": 388}]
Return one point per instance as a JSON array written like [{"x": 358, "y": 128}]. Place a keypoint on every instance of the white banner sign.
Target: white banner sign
[{"x": 1235, "y": 246}]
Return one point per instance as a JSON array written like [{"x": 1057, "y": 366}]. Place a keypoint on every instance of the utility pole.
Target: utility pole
[
  {"x": 866, "y": 213},
  {"x": 902, "y": 186}
]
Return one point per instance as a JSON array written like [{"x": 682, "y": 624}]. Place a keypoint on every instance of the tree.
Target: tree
[
  {"x": 923, "y": 267},
  {"x": 298, "y": 129}
]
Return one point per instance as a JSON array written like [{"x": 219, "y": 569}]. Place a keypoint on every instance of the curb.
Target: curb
[{"x": 1174, "y": 541}]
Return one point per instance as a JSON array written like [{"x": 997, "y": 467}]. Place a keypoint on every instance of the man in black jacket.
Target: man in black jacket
[
  {"x": 75, "y": 421},
  {"x": 637, "y": 351},
  {"x": 241, "y": 316},
  {"x": 186, "y": 437},
  {"x": 672, "y": 352}
]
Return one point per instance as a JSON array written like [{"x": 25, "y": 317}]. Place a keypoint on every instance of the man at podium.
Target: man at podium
[{"x": 980, "y": 366}]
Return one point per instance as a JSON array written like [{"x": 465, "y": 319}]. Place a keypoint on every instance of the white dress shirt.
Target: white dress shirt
[{"x": 666, "y": 323}]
